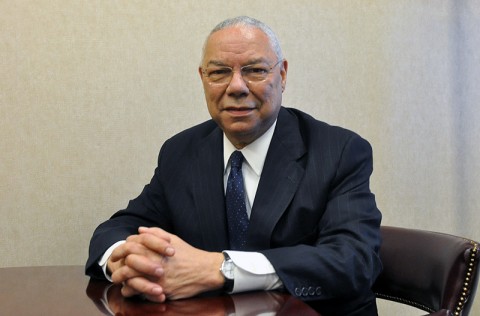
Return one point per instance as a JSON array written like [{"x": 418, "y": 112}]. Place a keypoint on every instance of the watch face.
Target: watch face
[{"x": 227, "y": 269}]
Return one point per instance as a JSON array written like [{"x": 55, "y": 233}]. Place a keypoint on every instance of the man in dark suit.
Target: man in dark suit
[{"x": 306, "y": 221}]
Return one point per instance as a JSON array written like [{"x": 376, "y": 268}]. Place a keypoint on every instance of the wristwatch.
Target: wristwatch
[{"x": 227, "y": 270}]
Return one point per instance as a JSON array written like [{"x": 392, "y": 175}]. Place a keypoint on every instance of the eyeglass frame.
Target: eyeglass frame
[{"x": 230, "y": 76}]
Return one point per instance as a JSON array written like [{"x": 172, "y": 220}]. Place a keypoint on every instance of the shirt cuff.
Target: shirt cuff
[
  {"x": 253, "y": 271},
  {"x": 104, "y": 259}
]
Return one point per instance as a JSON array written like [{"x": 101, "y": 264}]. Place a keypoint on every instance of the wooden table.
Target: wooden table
[{"x": 65, "y": 290}]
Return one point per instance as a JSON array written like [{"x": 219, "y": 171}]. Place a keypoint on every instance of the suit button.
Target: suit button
[
  {"x": 318, "y": 290},
  {"x": 298, "y": 291},
  {"x": 304, "y": 291},
  {"x": 311, "y": 291}
]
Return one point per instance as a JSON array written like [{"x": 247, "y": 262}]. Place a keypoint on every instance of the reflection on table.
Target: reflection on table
[
  {"x": 65, "y": 290},
  {"x": 109, "y": 300}
]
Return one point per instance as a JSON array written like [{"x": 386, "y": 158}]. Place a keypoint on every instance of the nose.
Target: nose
[{"x": 237, "y": 87}]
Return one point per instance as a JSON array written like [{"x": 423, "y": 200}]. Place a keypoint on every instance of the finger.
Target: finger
[
  {"x": 131, "y": 246},
  {"x": 160, "y": 233},
  {"x": 121, "y": 251},
  {"x": 143, "y": 286},
  {"x": 158, "y": 298},
  {"x": 154, "y": 242},
  {"x": 137, "y": 265},
  {"x": 124, "y": 273},
  {"x": 112, "y": 266},
  {"x": 128, "y": 291}
]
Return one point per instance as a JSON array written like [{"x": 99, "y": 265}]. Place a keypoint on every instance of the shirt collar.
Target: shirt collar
[{"x": 254, "y": 153}]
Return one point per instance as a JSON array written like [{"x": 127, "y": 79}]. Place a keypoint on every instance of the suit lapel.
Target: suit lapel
[
  {"x": 279, "y": 181},
  {"x": 207, "y": 179},
  {"x": 280, "y": 178}
]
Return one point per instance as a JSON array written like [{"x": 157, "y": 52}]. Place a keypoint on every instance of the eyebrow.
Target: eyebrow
[{"x": 250, "y": 62}]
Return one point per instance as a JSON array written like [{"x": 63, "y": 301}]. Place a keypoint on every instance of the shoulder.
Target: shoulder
[
  {"x": 333, "y": 149},
  {"x": 314, "y": 130},
  {"x": 186, "y": 149},
  {"x": 188, "y": 142},
  {"x": 195, "y": 133}
]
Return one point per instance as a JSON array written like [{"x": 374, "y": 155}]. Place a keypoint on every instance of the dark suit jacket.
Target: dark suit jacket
[{"x": 313, "y": 217}]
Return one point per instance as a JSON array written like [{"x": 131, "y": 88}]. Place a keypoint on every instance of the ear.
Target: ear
[{"x": 283, "y": 73}]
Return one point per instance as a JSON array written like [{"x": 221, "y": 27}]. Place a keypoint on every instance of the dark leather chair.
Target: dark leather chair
[{"x": 431, "y": 271}]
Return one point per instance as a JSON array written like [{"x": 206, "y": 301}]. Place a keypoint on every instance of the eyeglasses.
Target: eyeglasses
[{"x": 250, "y": 73}]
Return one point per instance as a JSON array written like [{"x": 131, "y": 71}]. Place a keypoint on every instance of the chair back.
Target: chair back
[{"x": 428, "y": 270}]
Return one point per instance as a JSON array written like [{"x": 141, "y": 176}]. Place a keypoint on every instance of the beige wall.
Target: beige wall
[{"x": 89, "y": 90}]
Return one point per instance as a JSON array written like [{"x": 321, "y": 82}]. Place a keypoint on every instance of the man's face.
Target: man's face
[{"x": 244, "y": 110}]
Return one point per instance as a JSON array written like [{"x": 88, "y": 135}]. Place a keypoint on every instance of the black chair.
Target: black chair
[{"x": 431, "y": 271}]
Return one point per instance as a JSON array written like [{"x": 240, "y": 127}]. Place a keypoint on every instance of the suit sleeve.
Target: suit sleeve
[
  {"x": 343, "y": 261},
  {"x": 148, "y": 209}
]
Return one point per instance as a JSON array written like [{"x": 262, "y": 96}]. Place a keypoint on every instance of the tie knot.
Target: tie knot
[{"x": 236, "y": 159}]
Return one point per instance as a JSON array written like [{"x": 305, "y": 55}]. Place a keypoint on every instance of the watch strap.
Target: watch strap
[{"x": 229, "y": 283}]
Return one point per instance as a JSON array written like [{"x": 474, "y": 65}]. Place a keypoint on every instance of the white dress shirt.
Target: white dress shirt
[{"x": 252, "y": 271}]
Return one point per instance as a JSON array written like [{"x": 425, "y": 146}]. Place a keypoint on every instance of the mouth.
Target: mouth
[{"x": 238, "y": 111}]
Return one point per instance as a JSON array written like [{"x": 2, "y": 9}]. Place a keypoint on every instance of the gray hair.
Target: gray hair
[{"x": 248, "y": 22}]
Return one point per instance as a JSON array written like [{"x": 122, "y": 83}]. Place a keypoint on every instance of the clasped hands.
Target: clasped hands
[{"x": 160, "y": 266}]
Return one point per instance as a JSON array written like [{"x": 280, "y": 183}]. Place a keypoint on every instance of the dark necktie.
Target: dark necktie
[{"x": 235, "y": 199}]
